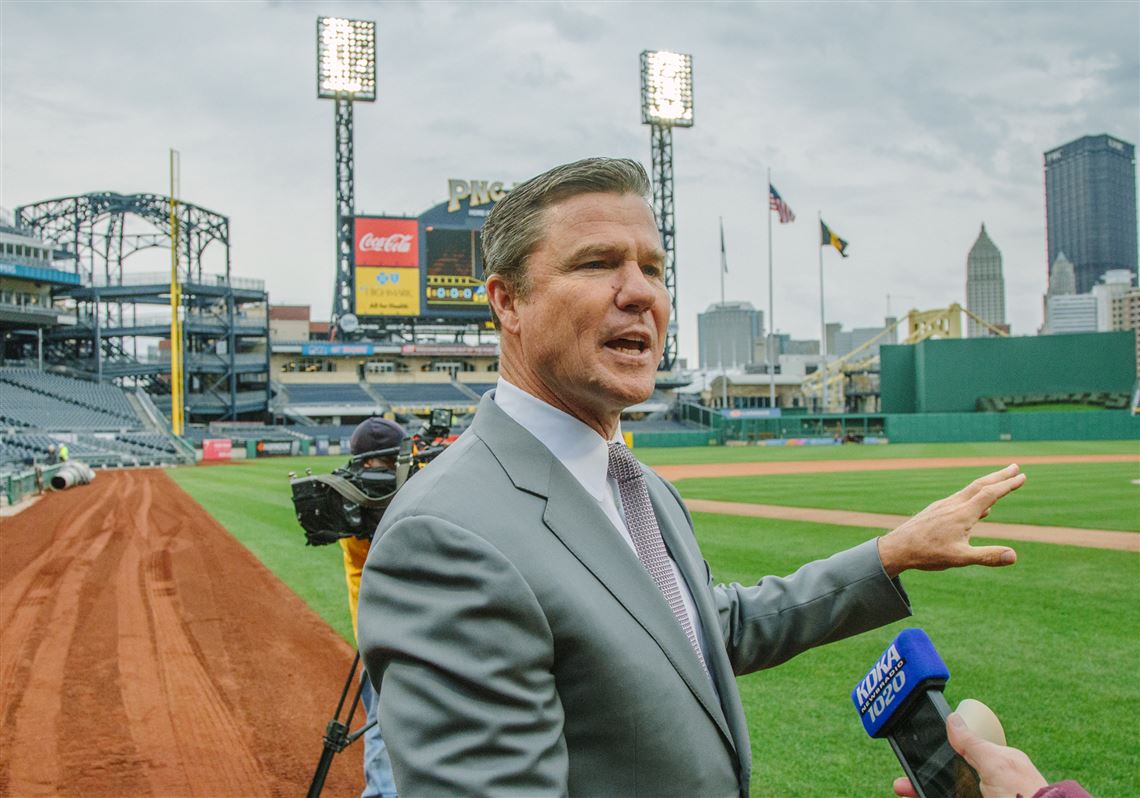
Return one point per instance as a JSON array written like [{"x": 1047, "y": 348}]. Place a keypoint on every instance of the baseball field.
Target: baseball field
[{"x": 178, "y": 662}]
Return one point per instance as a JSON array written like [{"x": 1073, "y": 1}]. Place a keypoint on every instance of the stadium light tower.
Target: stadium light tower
[
  {"x": 666, "y": 103},
  {"x": 346, "y": 72}
]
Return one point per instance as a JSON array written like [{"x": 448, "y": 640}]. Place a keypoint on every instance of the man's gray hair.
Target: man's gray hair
[{"x": 516, "y": 225}]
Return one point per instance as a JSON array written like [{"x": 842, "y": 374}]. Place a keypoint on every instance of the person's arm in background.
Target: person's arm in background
[{"x": 1003, "y": 772}]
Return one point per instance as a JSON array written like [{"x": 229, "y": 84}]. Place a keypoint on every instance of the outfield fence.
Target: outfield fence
[{"x": 898, "y": 427}]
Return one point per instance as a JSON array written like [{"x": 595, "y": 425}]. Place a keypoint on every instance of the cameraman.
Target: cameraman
[{"x": 373, "y": 434}]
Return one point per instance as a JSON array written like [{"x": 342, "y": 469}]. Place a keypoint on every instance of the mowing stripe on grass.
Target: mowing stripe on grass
[
  {"x": 1062, "y": 535},
  {"x": 708, "y": 470},
  {"x": 1085, "y": 495}
]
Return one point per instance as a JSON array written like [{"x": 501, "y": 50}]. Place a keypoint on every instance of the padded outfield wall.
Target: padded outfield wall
[
  {"x": 1097, "y": 425},
  {"x": 950, "y": 375}
]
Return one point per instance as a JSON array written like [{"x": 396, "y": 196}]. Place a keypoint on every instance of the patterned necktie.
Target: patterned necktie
[{"x": 642, "y": 524}]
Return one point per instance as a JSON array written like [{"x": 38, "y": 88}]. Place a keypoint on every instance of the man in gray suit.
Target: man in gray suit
[{"x": 535, "y": 613}]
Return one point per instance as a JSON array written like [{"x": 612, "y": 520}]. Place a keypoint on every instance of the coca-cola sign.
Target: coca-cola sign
[
  {"x": 397, "y": 242},
  {"x": 386, "y": 242}
]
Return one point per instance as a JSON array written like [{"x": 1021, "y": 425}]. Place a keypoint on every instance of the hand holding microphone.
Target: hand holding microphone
[
  {"x": 900, "y": 698},
  {"x": 944, "y": 755},
  {"x": 1003, "y": 772}
]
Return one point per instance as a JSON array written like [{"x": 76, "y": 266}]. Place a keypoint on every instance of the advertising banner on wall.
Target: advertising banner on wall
[
  {"x": 217, "y": 449},
  {"x": 387, "y": 242},
  {"x": 387, "y": 266}
]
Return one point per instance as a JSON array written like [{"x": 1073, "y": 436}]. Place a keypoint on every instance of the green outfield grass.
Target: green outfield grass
[
  {"x": 252, "y": 500},
  {"x": 1089, "y": 495},
  {"x": 748, "y": 454},
  {"x": 1051, "y": 644}
]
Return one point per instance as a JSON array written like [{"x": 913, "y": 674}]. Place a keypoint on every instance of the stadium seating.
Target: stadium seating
[
  {"x": 97, "y": 421},
  {"x": 104, "y": 399},
  {"x": 328, "y": 394},
  {"x": 1000, "y": 404},
  {"x": 422, "y": 393},
  {"x": 659, "y": 425},
  {"x": 25, "y": 407},
  {"x": 334, "y": 432}
]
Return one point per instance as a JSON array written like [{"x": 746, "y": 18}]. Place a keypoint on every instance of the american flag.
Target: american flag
[{"x": 776, "y": 203}]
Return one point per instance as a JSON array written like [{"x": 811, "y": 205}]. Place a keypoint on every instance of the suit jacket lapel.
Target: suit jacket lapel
[{"x": 574, "y": 517}]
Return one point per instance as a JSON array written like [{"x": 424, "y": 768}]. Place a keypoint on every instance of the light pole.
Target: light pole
[
  {"x": 666, "y": 102},
  {"x": 346, "y": 72}
]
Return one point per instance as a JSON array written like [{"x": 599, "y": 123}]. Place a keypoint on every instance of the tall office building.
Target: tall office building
[
  {"x": 727, "y": 334},
  {"x": 1090, "y": 206},
  {"x": 1062, "y": 277},
  {"x": 844, "y": 342},
  {"x": 985, "y": 287},
  {"x": 1111, "y": 300},
  {"x": 1070, "y": 313}
]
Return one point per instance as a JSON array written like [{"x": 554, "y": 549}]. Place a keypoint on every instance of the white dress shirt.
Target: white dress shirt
[{"x": 585, "y": 454}]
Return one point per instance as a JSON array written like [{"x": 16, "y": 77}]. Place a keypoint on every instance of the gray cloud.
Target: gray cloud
[{"x": 907, "y": 124}]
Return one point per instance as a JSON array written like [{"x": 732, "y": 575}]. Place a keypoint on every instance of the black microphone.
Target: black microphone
[{"x": 901, "y": 698}]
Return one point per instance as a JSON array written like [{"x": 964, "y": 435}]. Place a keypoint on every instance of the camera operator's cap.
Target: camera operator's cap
[{"x": 376, "y": 433}]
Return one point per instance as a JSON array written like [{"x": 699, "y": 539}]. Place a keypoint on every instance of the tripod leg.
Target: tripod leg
[{"x": 336, "y": 733}]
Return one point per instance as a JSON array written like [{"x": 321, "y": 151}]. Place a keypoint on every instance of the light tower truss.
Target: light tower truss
[
  {"x": 666, "y": 102},
  {"x": 344, "y": 290},
  {"x": 661, "y": 146}
]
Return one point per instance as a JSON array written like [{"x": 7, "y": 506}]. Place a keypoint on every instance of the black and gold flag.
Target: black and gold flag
[{"x": 829, "y": 238}]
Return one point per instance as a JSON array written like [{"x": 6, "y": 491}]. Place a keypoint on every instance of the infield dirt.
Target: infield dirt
[{"x": 145, "y": 652}]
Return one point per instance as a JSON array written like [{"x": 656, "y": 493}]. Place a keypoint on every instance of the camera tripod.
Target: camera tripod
[{"x": 337, "y": 736}]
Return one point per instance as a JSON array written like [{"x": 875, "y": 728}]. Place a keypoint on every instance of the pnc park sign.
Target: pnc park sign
[{"x": 476, "y": 192}]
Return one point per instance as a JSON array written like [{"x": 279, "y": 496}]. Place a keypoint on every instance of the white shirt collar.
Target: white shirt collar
[{"x": 582, "y": 450}]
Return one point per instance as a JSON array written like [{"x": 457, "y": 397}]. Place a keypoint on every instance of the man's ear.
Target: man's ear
[{"x": 501, "y": 296}]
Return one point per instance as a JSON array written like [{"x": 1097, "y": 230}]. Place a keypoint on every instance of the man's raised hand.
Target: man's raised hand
[{"x": 939, "y": 536}]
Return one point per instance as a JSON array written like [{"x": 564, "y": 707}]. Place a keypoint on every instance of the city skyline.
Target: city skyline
[{"x": 905, "y": 158}]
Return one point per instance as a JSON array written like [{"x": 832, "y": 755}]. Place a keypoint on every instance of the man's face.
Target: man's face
[{"x": 588, "y": 336}]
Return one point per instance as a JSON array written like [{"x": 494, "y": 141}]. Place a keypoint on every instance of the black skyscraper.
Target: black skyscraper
[{"x": 1090, "y": 200}]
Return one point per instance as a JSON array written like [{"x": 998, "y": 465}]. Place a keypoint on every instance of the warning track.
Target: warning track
[{"x": 145, "y": 652}]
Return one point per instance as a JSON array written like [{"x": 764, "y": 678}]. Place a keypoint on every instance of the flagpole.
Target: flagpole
[
  {"x": 723, "y": 269},
  {"x": 771, "y": 322},
  {"x": 822, "y": 318},
  {"x": 723, "y": 259},
  {"x": 723, "y": 374}
]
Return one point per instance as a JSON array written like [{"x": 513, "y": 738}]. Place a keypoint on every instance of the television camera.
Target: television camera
[{"x": 351, "y": 500}]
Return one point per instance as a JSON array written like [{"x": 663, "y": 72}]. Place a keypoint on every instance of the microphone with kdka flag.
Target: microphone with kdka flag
[{"x": 901, "y": 698}]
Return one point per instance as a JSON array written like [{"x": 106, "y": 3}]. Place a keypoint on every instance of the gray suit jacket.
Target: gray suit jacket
[{"x": 520, "y": 648}]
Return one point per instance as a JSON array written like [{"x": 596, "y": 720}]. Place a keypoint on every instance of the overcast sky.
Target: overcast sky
[{"x": 907, "y": 125}]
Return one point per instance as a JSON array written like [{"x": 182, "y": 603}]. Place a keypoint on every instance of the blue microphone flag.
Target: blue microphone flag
[{"x": 908, "y": 662}]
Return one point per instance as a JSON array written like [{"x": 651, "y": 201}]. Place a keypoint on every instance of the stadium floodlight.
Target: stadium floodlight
[
  {"x": 346, "y": 58},
  {"x": 666, "y": 103},
  {"x": 666, "y": 88},
  {"x": 346, "y": 73}
]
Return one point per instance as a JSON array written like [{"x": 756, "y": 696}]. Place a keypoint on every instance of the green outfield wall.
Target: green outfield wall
[
  {"x": 950, "y": 375},
  {"x": 1096, "y": 425},
  {"x": 1100, "y": 425}
]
